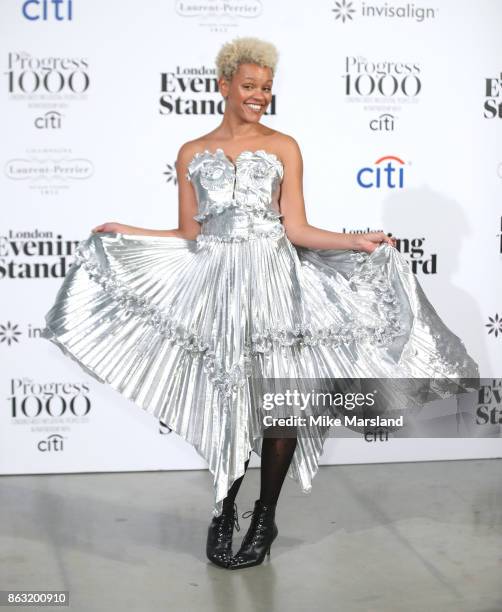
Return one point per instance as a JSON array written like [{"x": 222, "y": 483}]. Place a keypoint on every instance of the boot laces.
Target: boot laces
[
  {"x": 230, "y": 520},
  {"x": 256, "y": 527}
]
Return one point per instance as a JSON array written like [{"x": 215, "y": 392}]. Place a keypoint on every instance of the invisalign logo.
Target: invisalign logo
[{"x": 344, "y": 11}]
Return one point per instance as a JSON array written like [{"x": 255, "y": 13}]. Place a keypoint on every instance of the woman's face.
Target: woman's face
[{"x": 249, "y": 91}]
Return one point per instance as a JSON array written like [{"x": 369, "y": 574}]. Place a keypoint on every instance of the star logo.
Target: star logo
[
  {"x": 343, "y": 10},
  {"x": 495, "y": 325},
  {"x": 9, "y": 333},
  {"x": 170, "y": 174}
]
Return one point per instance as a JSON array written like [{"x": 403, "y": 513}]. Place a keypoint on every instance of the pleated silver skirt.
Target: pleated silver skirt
[{"x": 182, "y": 327}]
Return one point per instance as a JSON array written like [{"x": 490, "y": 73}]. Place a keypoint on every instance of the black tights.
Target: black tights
[{"x": 276, "y": 455}]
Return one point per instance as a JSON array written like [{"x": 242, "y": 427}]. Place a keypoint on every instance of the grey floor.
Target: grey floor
[{"x": 389, "y": 537}]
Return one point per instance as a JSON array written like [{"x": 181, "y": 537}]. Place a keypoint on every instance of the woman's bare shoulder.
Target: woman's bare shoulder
[
  {"x": 189, "y": 148},
  {"x": 286, "y": 145}
]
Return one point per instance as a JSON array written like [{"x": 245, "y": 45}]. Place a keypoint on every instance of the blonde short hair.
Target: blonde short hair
[{"x": 245, "y": 50}]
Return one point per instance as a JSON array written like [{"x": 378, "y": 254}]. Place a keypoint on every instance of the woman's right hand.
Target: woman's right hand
[
  {"x": 369, "y": 241},
  {"x": 112, "y": 226}
]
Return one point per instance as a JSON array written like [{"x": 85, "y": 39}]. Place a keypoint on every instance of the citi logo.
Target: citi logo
[
  {"x": 51, "y": 120},
  {"x": 35, "y": 10},
  {"x": 388, "y": 171},
  {"x": 53, "y": 443},
  {"x": 384, "y": 123}
]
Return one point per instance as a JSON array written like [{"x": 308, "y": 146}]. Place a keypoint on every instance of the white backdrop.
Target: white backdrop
[{"x": 98, "y": 97}]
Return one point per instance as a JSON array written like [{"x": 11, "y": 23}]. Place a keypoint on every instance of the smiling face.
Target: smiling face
[{"x": 249, "y": 91}]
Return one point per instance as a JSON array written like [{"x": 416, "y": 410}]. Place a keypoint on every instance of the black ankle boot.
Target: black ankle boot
[
  {"x": 219, "y": 536},
  {"x": 259, "y": 537}
]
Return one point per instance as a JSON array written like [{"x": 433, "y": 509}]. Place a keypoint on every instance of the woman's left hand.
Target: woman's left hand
[{"x": 369, "y": 241}]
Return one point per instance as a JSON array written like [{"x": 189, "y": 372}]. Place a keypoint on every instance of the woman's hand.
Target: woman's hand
[
  {"x": 369, "y": 241},
  {"x": 112, "y": 226}
]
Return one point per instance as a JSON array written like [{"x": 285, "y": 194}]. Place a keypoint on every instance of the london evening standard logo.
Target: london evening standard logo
[
  {"x": 219, "y": 15},
  {"x": 489, "y": 402},
  {"x": 345, "y": 11},
  {"x": 48, "y": 171},
  {"x": 381, "y": 86},
  {"x": 34, "y": 254},
  {"x": 493, "y": 98},
  {"x": 193, "y": 91},
  {"x": 47, "y": 10},
  {"x": 419, "y": 258}
]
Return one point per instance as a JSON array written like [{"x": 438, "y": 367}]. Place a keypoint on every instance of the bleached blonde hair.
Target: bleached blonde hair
[{"x": 245, "y": 50}]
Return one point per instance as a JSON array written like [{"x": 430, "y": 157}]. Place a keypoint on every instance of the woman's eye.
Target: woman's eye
[{"x": 251, "y": 87}]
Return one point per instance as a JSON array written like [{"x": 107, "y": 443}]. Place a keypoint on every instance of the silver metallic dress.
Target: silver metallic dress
[{"x": 181, "y": 327}]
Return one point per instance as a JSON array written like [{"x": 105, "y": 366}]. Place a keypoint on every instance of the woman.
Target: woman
[{"x": 183, "y": 321}]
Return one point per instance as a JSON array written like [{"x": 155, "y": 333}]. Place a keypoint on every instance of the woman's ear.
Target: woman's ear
[{"x": 223, "y": 87}]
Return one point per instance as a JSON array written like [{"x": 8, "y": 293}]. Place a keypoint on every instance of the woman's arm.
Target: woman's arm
[
  {"x": 297, "y": 228},
  {"x": 187, "y": 228}
]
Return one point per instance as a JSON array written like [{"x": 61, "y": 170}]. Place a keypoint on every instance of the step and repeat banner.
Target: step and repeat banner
[{"x": 397, "y": 108}]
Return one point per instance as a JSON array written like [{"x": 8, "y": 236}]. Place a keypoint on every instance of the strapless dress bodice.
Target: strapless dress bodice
[{"x": 237, "y": 201}]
